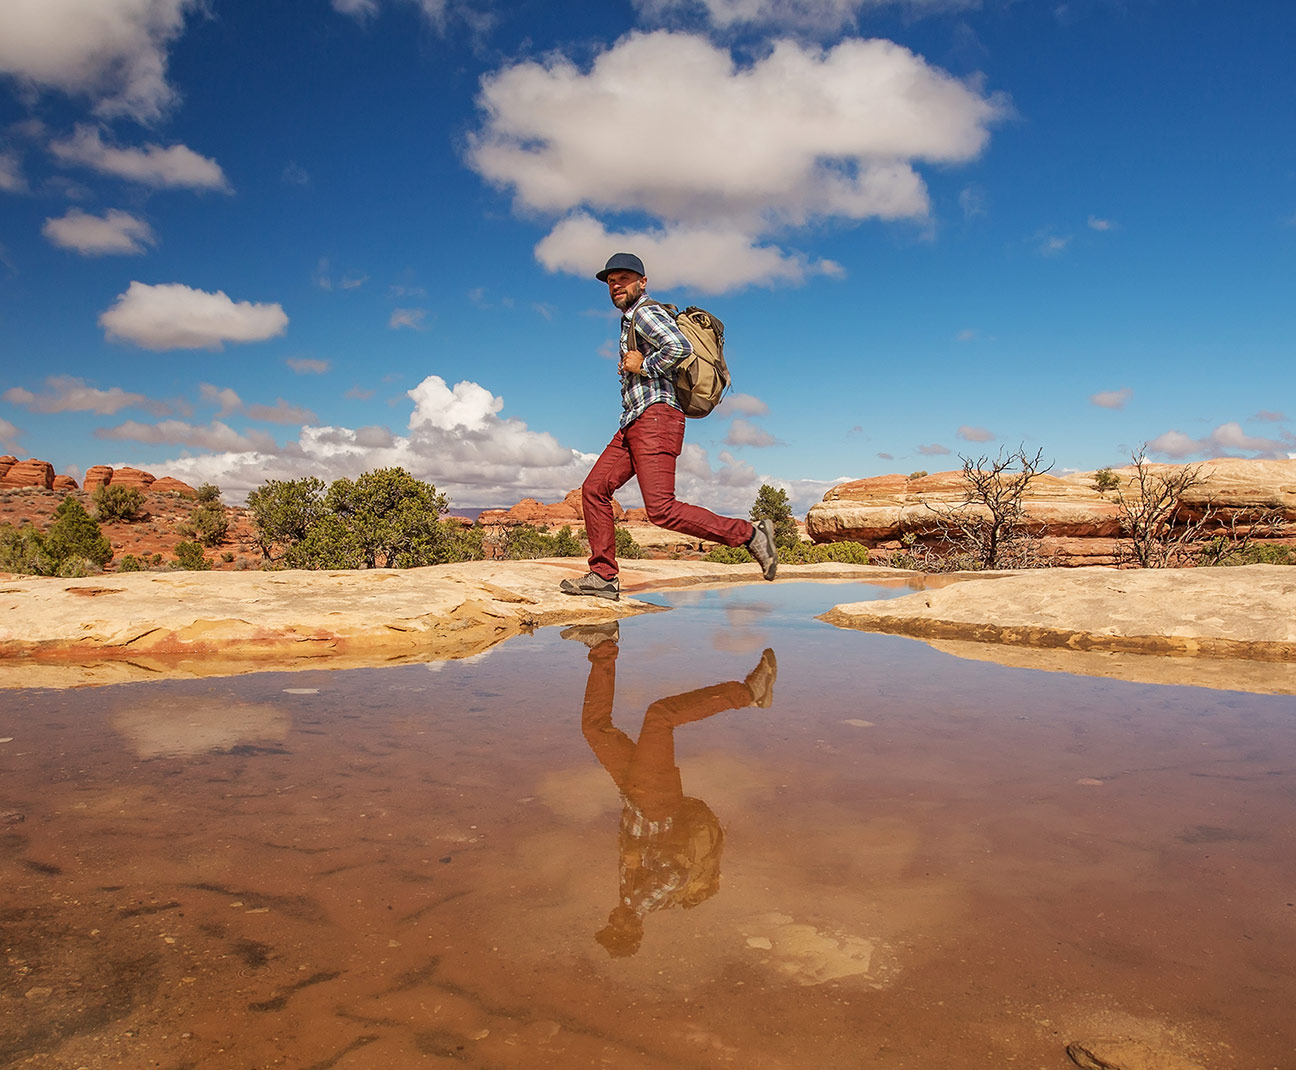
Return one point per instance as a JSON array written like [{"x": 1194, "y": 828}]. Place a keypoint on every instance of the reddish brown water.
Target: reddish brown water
[{"x": 905, "y": 861}]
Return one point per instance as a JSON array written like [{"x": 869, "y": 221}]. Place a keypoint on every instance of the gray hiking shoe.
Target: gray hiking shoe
[
  {"x": 593, "y": 584},
  {"x": 593, "y": 635},
  {"x": 761, "y": 546},
  {"x": 760, "y": 681}
]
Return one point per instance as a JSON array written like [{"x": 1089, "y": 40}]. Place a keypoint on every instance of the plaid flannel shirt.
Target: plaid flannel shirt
[{"x": 665, "y": 348}]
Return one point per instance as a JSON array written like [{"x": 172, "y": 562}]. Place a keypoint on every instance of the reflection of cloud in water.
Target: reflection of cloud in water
[
  {"x": 739, "y": 641},
  {"x": 182, "y": 728},
  {"x": 746, "y": 614},
  {"x": 807, "y": 955}
]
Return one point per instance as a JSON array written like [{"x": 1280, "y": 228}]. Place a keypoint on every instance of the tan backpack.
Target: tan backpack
[{"x": 703, "y": 378}]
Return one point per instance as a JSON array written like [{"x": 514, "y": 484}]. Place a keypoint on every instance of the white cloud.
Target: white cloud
[
  {"x": 745, "y": 404},
  {"x": 349, "y": 281},
  {"x": 92, "y": 235},
  {"x": 709, "y": 260},
  {"x": 815, "y": 16},
  {"x": 113, "y": 51},
  {"x": 11, "y": 176},
  {"x": 281, "y": 412},
  {"x": 1269, "y": 416},
  {"x": 972, "y": 200},
  {"x": 935, "y": 449},
  {"x": 67, "y": 393},
  {"x": 745, "y": 433},
  {"x": 975, "y": 434},
  {"x": 307, "y": 366},
  {"x": 357, "y": 9},
  {"x": 1052, "y": 244},
  {"x": 294, "y": 174},
  {"x": 966, "y": 334},
  {"x": 226, "y": 400},
  {"x": 173, "y": 167},
  {"x": 175, "y": 316},
  {"x": 215, "y": 436},
  {"x": 1100, "y": 224},
  {"x": 9, "y": 434},
  {"x": 1112, "y": 399},
  {"x": 407, "y": 317},
  {"x": 799, "y": 136},
  {"x": 1228, "y": 439}
]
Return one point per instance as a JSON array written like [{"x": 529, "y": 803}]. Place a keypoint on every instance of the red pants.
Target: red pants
[{"x": 648, "y": 449}]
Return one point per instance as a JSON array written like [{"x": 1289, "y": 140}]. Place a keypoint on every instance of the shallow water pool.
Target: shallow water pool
[{"x": 594, "y": 851}]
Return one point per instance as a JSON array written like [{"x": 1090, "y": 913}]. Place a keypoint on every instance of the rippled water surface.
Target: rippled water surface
[{"x": 565, "y": 856}]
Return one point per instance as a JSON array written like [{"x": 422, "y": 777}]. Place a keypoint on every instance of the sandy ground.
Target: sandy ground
[{"x": 1226, "y": 628}]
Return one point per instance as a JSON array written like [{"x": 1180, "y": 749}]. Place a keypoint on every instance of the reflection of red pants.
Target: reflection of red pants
[
  {"x": 645, "y": 771},
  {"x": 648, "y": 449}
]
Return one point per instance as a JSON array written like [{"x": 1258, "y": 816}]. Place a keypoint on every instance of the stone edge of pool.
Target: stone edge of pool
[
  {"x": 122, "y": 627},
  {"x": 1233, "y": 628}
]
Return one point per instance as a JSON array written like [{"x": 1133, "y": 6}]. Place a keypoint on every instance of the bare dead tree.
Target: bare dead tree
[
  {"x": 1157, "y": 530},
  {"x": 1234, "y": 533},
  {"x": 988, "y": 527}
]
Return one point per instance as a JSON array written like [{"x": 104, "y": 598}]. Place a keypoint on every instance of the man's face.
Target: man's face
[{"x": 625, "y": 288}]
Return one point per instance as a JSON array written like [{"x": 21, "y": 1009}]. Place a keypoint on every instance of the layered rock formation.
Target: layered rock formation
[
  {"x": 28, "y": 473},
  {"x": 1077, "y": 523},
  {"x": 34, "y": 473}
]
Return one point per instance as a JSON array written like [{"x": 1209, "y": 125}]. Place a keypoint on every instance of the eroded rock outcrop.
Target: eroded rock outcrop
[
  {"x": 62, "y": 483},
  {"x": 537, "y": 513},
  {"x": 168, "y": 485},
  {"x": 1078, "y": 522},
  {"x": 28, "y": 473}
]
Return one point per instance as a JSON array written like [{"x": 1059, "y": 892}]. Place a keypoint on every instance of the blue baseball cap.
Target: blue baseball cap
[{"x": 621, "y": 262}]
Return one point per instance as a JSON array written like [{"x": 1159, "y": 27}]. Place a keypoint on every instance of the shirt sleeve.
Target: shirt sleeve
[{"x": 669, "y": 346}]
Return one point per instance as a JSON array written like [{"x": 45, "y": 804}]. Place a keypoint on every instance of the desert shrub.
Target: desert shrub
[
  {"x": 527, "y": 543},
  {"x": 117, "y": 503},
  {"x": 393, "y": 517},
  {"x": 809, "y": 553},
  {"x": 283, "y": 511},
  {"x": 1104, "y": 480},
  {"x": 75, "y": 534},
  {"x": 627, "y": 549},
  {"x": 330, "y": 543},
  {"x": 463, "y": 544},
  {"x": 130, "y": 563},
  {"x": 772, "y": 504},
  {"x": 728, "y": 555},
  {"x": 207, "y": 494},
  {"x": 22, "y": 550},
  {"x": 1254, "y": 554},
  {"x": 208, "y": 524},
  {"x": 189, "y": 556},
  {"x": 227, "y": 556},
  {"x": 918, "y": 474}
]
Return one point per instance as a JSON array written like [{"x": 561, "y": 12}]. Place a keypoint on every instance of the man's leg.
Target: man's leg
[
  {"x": 655, "y": 441},
  {"x": 610, "y": 472}
]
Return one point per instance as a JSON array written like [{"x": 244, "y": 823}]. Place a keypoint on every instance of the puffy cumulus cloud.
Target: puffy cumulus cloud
[
  {"x": 813, "y": 16},
  {"x": 455, "y": 439},
  {"x": 741, "y": 404},
  {"x": 935, "y": 449},
  {"x": 215, "y": 436},
  {"x": 798, "y": 136},
  {"x": 1228, "y": 439},
  {"x": 745, "y": 433},
  {"x": 11, "y": 176},
  {"x": 173, "y": 167},
  {"x": 9, "y": 434},
  {"x": 707, "y": 259},
  {"x": 281, "y": 412},
  {"x": 67, "y": 393},
  {"x": 307, "y": 366},
  {"x": 92, "y": 235},
  {"x": 175, "y": 316},
  {"x": 1112, "y": 399},
  {"x": 113, "y": 51}
]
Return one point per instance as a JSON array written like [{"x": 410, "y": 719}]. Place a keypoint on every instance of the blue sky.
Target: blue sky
[{"x": 244, "y": 240}]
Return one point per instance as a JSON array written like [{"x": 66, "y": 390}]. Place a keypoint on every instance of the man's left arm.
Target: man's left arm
[{"x": 669, "y": 346}]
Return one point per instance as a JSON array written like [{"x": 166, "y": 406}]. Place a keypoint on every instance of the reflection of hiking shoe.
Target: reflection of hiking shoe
[
  {"x": 593, "y": 634},
  {"x": 760, "y": 681},
  {"x": 761, "y": 546},
  {"x": 593, "y": 584}
]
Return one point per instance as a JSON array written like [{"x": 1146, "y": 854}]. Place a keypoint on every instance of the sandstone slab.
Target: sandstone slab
[
  {"x": 1245, "y": 614},
  {"x": 146, "y": 625}
]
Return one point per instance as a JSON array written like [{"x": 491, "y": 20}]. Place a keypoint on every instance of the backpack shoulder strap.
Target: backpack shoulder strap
[{"x": 635, "y": 333}]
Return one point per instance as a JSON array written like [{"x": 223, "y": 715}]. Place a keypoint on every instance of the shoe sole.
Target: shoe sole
[{"x": 612, "y": 596}]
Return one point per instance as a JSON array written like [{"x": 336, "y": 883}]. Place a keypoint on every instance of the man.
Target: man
[{"x": 649, "y": 441}]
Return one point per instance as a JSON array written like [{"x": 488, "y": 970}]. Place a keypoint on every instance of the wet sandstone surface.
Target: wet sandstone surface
[{"x": 905, "y": 860}]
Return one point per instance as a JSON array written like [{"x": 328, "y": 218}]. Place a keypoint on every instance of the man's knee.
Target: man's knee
[{"x": 661, "y": 510}]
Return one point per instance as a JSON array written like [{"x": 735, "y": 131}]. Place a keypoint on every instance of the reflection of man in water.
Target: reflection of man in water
[{"x": 670, "y": 843}]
